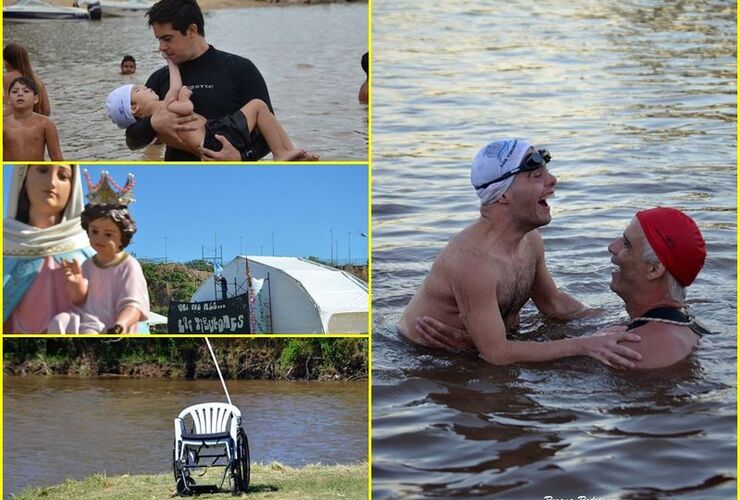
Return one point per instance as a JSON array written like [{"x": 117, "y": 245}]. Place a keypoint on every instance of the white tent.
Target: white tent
[
  {"x": 156, "y": 319},
  {"x": 304, "y": 296}
]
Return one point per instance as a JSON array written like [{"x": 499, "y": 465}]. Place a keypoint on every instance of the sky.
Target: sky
[{"x": 303, "y": 209}]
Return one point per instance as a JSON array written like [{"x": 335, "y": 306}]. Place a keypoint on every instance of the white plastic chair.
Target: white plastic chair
[{"x": 209, "y": 425}]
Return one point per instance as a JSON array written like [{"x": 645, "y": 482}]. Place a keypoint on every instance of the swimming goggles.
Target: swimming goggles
[{"x": 532, "y": 161}]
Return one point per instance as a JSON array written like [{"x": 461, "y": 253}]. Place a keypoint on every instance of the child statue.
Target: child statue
[{"x": 109, "y": 289}]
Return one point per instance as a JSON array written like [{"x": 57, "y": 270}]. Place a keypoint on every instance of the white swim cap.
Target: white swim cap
[
  {"x": 119, "y": 106},
  {"x": 492, "y": 161}
]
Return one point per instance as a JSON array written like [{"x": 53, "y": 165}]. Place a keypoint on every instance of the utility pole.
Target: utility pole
[{"x": 273, "y": 243}]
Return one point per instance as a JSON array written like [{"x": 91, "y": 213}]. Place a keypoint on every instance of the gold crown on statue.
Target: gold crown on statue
[{"x": 107, "y": 192}]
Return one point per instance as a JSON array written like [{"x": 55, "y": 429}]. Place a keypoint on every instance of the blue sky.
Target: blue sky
[{"x": 244, "y": 206}]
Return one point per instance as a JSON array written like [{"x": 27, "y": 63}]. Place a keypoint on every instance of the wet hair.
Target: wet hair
[
  {"x": 179, "y": 13},
  {"x": 25, "y": 81},
  {"x": 128, "y": 57},
  {"x": 363, "y": 62},
  {"x": 17, "y": 58},
  {"x": 676, "y": 290},
  {"x": 118, "y": 214}
]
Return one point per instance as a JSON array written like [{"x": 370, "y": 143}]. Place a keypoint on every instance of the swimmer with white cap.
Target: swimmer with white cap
[{"x": 487, "y": 272}]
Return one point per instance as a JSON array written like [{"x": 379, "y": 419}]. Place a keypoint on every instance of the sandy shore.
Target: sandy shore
[{"x": 230, "y": 4}]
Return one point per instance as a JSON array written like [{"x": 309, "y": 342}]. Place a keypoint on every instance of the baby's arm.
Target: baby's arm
[
  {"x": 51, "y": 136},
  {"x": 178, "y": 96},
  {"x": 76, "y": 282},
  {"x": 128, "y": 317}
]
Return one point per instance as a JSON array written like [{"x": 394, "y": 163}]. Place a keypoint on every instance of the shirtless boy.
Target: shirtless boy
[
  {"x": 27, "y": 134},
  {"x": 489, "y": 270},
  {"x": 129, "y": 103}
]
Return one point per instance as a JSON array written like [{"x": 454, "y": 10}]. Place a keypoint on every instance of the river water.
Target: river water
[
  {"x": 636, "y": 102},
  {"x": 308, "y": 55},
  {"x": 57, "y": 428}
]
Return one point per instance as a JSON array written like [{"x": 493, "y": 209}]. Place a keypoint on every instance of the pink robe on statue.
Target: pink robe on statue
[
  {"x": 109, "y": 290},
  {"x": 46, "y": 295}
]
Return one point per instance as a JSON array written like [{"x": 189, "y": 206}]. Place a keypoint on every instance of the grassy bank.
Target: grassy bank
[
  {"x": 239, "y": 358},
  {"x": 268, "y": 481}
]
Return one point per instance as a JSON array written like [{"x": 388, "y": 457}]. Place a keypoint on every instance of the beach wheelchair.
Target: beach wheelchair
[{"x": 210, "y": 435}]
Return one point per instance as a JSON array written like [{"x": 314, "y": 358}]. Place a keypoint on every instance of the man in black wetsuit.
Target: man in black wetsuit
[
  {"x": 657, "y": 257},
  {"x": 221, "y": 83}
]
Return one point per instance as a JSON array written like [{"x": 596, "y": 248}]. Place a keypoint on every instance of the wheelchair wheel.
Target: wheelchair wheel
[
  {"x": 242, "y": 445},
  {"x": 185, "y": 488},
  {"x": 234, "y": 479}
]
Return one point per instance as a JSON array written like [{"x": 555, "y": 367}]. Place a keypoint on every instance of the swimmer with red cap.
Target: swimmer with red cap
[{"x": 660, "y": 254}]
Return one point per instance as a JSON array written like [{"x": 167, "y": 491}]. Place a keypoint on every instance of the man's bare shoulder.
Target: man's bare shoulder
[
  {"x": 465, "y": 261},
  {"x": 534, "y": 239},
  {"x": 663, "y": 344}
]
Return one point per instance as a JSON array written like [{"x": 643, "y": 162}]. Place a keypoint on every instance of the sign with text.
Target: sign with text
[{"x": 212, "y": 316}]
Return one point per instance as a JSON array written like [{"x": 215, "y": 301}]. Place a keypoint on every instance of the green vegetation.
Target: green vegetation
[
  {"x": 268, "y": 481},
  {"x": 187, "y": 357},
  {"x": 200, "y": 265},
  {"x": 173, "y": 281}
]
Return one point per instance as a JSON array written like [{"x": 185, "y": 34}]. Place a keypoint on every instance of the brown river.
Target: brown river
[
  {"x": 636, "y": 101},
  {"x": 57, "y": 428}
]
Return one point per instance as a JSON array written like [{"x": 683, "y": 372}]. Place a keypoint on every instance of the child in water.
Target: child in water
[
  {"x": 128, "y": 103},
  {"x": 108, "y": 289},
  {"x": 26, "y": 135}
]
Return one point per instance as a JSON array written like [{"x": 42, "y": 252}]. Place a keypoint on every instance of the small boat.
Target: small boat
[
  {"x": 120, "y": 8},
  {"x": 38, "y": 10}
]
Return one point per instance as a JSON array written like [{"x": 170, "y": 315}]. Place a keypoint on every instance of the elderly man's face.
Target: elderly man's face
[{"x": 626, "y": 253}]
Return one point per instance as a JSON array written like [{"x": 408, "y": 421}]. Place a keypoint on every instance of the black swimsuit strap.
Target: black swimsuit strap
[{"x": 670, "y": 314}]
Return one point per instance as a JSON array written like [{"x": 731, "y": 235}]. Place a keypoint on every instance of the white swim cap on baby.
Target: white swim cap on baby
[
  {"x": 493, "y": 161},
  {"x": 119, "y": 106}
]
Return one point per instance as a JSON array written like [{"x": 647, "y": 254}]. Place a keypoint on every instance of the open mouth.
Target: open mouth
[{"x": 543, "y": 201}]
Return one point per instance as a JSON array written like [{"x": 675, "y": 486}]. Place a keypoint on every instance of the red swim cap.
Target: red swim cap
[{"x": 676, "y": 240}]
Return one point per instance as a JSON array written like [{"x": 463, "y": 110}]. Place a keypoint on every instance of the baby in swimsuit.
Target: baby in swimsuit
[{"x": 129, "y": 102}]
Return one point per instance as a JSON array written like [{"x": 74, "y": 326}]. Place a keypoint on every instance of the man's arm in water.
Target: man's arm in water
[
  {"x": 475, "y": 292},
  {"x": 549, "y": 299}
]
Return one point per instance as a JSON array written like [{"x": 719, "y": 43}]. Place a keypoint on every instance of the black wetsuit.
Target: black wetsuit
[
  {"x": 671, "y": 314},
  {"x": 221, "y": 84}
]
